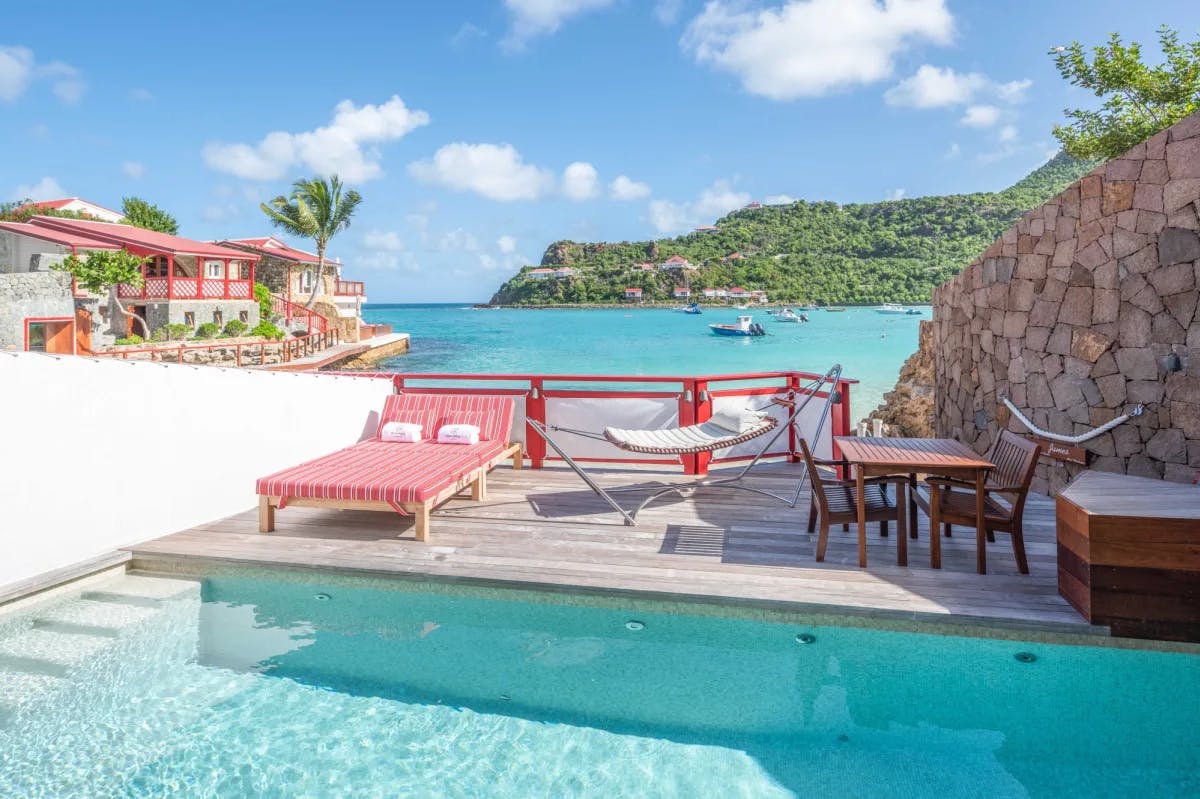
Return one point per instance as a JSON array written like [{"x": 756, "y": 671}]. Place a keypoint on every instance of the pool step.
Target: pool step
[{"x": 41, "y": 650}]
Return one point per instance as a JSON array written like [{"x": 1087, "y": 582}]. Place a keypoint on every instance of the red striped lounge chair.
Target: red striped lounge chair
[{"x": 406, "y": 478}]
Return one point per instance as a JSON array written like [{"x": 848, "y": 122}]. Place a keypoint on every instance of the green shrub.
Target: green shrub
[
  {"x": 133, "y": 339},
  {"x": 267, "y": 330},
  {"x": 176, "y": 331},
  {"x": 208, "y": 330},
  {"x": 235, "y": 328},
  {"x": 263, "y": 295}
]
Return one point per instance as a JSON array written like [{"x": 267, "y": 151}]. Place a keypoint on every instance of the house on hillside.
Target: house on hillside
[
  {"x": 78, "y": 206},
  {"x": 645, "y": 267},
  {"x": 676, "y": 262},
  {"x": 184, "y": 281},
  {"x": 564, "y": 272},
  {"x": 738, "y": 293},
  {"x": 759, "y": 296},
  {"x": 751, "y": 206},
  {"x": 706, "y": 229},
  {"x": 633, "y": 295},
  {"x": 715, "y": 294},
  {"x": 681, "y": 293},
  {"x": 291, "y": 274},
  {"x": 541, "y": 273},
  {"x": 734, "y": 256}
]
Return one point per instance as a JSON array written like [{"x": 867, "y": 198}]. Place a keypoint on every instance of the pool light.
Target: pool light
[
  {"x": 806, "y": 638},
  {"x": 321, "y": 597},
  {"x": 635, "y": 626},
  {"x": 1025, "y": 657}
]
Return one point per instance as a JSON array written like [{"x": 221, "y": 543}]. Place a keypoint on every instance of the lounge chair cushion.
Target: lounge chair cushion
[
  {"x": 378, "y": 471},
  {"x": 492, "y": 414}
]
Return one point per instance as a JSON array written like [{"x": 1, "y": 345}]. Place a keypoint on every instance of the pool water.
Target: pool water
[{"x": 240, "y": 687}]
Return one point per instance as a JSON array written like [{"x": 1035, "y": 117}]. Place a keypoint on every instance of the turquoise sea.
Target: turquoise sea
[{"x": 454, "y": 338}]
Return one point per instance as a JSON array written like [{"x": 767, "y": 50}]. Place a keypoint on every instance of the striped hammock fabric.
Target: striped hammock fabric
[{"x": 690, "y": 440}]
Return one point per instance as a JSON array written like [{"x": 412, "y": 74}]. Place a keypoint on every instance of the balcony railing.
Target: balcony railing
[
  {"x": 593, "y": 402},
  {"x": 348, "y": 288},
  {"x": 188, "y": 288}
]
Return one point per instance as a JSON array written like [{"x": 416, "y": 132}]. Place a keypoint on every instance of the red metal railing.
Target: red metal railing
[
  {"x": 694, "y": 396},
  {"x": 348, "y": 288},
  {"x": 246, "y": 353},
  {"x": 315, "y": 322},
  {"x": 188, "y": 288}
]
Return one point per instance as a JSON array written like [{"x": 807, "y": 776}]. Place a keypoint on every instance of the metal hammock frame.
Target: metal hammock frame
[{"x": 809, "y": 390}]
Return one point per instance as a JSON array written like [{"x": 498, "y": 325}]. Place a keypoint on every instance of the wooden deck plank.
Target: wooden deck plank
[{"x": 544, "y": 529}]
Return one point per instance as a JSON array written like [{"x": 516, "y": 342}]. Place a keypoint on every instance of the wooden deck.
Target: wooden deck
[{"x": 544, "y": 529}]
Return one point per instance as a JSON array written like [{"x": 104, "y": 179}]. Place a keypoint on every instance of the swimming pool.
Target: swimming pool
[{"x": 252, "y": 687}]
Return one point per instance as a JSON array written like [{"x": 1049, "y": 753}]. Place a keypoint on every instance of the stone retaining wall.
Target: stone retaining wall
[
  {"x": 25, "y": 295},
  {"x": 1084, "y": 309}
]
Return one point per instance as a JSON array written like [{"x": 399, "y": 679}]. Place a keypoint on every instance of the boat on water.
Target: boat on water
[
  {"x": 808, "y": 306},
  {"x": 745, "y": 326},
  {"x": 835, "y": 307},
  {"x": 913, "y": 312},
  {"x": 891, "y": 308},
  {"x": 742, "y": 307},
  {"x": 787, "y": 315},
  {"x": 693, "y": 308}
]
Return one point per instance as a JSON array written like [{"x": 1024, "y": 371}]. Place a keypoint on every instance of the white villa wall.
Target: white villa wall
[{"x": 98, "y": 454}]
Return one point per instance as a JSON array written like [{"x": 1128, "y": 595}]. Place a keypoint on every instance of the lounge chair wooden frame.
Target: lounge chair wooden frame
[{"x": 476, "y": 480}]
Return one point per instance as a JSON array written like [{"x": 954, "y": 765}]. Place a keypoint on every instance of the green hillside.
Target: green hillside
[{"x": 853, "y": 254}]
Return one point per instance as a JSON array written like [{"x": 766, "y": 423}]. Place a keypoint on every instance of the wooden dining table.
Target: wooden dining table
[{"x": 944, "y": 457}]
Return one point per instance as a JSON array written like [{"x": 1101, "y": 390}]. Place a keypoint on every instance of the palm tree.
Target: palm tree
[{"x": 317, "y": 209}]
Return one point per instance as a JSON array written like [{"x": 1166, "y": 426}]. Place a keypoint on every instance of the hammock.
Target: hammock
[
  {"x": 1079, "y": 439},
  {"x": 696, "y": 439}
]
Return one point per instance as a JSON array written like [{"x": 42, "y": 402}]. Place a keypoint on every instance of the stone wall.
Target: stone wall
[
  {"x": 1084, "y": 309},
  {"x": 26, "y": 295}
]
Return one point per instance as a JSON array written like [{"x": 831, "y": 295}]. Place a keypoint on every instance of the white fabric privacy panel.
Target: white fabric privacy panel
[
  {"x": 595, "y": 414},
  {"x": 806, "y": 425}
]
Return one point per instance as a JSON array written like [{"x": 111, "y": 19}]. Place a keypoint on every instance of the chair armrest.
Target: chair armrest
[{"x": 831, "y": 462}]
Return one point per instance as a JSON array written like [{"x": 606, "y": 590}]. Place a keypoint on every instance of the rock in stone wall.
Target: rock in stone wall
[{"x": 1084, "y": 309}]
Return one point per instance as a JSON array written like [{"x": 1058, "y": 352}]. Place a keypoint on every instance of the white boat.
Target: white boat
[
  {"x": 891, "y": 308},
  {"x": 786, "y": 315}
]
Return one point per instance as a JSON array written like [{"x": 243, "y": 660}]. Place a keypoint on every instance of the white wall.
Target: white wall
[{"x": 96, "y": 454}]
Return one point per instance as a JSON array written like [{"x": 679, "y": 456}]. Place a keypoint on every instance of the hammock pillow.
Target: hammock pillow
[{"x": 735, "y": 421}]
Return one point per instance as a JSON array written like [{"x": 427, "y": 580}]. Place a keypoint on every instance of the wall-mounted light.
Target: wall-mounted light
[{"x": 1172, "y": 362}]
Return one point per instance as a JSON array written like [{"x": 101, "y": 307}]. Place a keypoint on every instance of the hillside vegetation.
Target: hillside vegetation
[{"x": 853, "y": 254}]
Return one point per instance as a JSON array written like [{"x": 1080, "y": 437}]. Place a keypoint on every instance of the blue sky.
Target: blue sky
[{"x": 480, "y": 131}]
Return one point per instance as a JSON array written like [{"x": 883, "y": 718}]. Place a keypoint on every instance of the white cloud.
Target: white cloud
[
  {"x": 667, "y": 11},
  {"x": 458, "y": 239},
  {"x": 387, "y": 261},
  {"x": 344, "y": 147},
  {"x": 953, "y": 151},
  {"x": 778, "y": 199},
  {"x": 715, "y": 201},
  {"x": 531, "y": 18},
  {"x": 1013, "y": 91},
  {"x": 896, "y": 194},
  {"x": 19, "y": 69},
  {"x": 45, "y": 189},
  {"x": 140, "y": 95},
  {"x": 16, "y": 71},
  {"x": 808, "y": 48},
  {"x": 467, "y": 34},
  {"x": 981, "y": 116},
  {"x": 65, "y": 81},
  {"x": 625, "y": 189},
  {"x": 506, "y": 244},
  {"x": 134, "y": 170},
  {"x": 579, "y": 181},
  {"x": 934, "y": 87},
  {"x": 387, "y": 240},
  {"x": 495, "y": 171},
  {"x": 1008, "y": 133}
]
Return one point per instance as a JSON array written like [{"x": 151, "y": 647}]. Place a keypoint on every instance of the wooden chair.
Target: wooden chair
[
  {"x": 950, "y": 501},
  {"x": 836, "y": 501}
]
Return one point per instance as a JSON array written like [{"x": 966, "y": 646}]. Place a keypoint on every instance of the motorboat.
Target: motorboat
[
  {"x": 808, "y": 306},
  {"x": 745, "y": 326},
  {"x": 913, "y": 312},
  {"x": 891, "y": 308},
  {"x": 832, "y": 308},
  {"x": 693, "y": 308},
  {"x": 787, "y": 315}
]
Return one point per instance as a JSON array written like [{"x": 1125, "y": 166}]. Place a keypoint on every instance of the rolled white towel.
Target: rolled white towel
[
  {"x": 458, "y": 434},
  {"x": 401, "y": 432}
]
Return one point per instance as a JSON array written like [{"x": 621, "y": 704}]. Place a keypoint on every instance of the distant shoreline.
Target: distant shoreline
[{"x": 658, "y": 306}]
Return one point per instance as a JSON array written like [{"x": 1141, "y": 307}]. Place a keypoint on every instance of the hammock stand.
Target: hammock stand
[
  {"x": 695, "y": 439},
  {"x": 1079, "y": 439}
]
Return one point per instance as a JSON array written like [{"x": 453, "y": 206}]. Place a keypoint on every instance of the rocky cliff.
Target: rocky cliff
[{"x": 907, "y": 410}]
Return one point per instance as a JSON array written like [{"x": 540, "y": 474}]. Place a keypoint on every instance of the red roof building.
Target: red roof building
[
  {"x": 176, "y": 268},
  {"x": 78, "y": 206}
]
